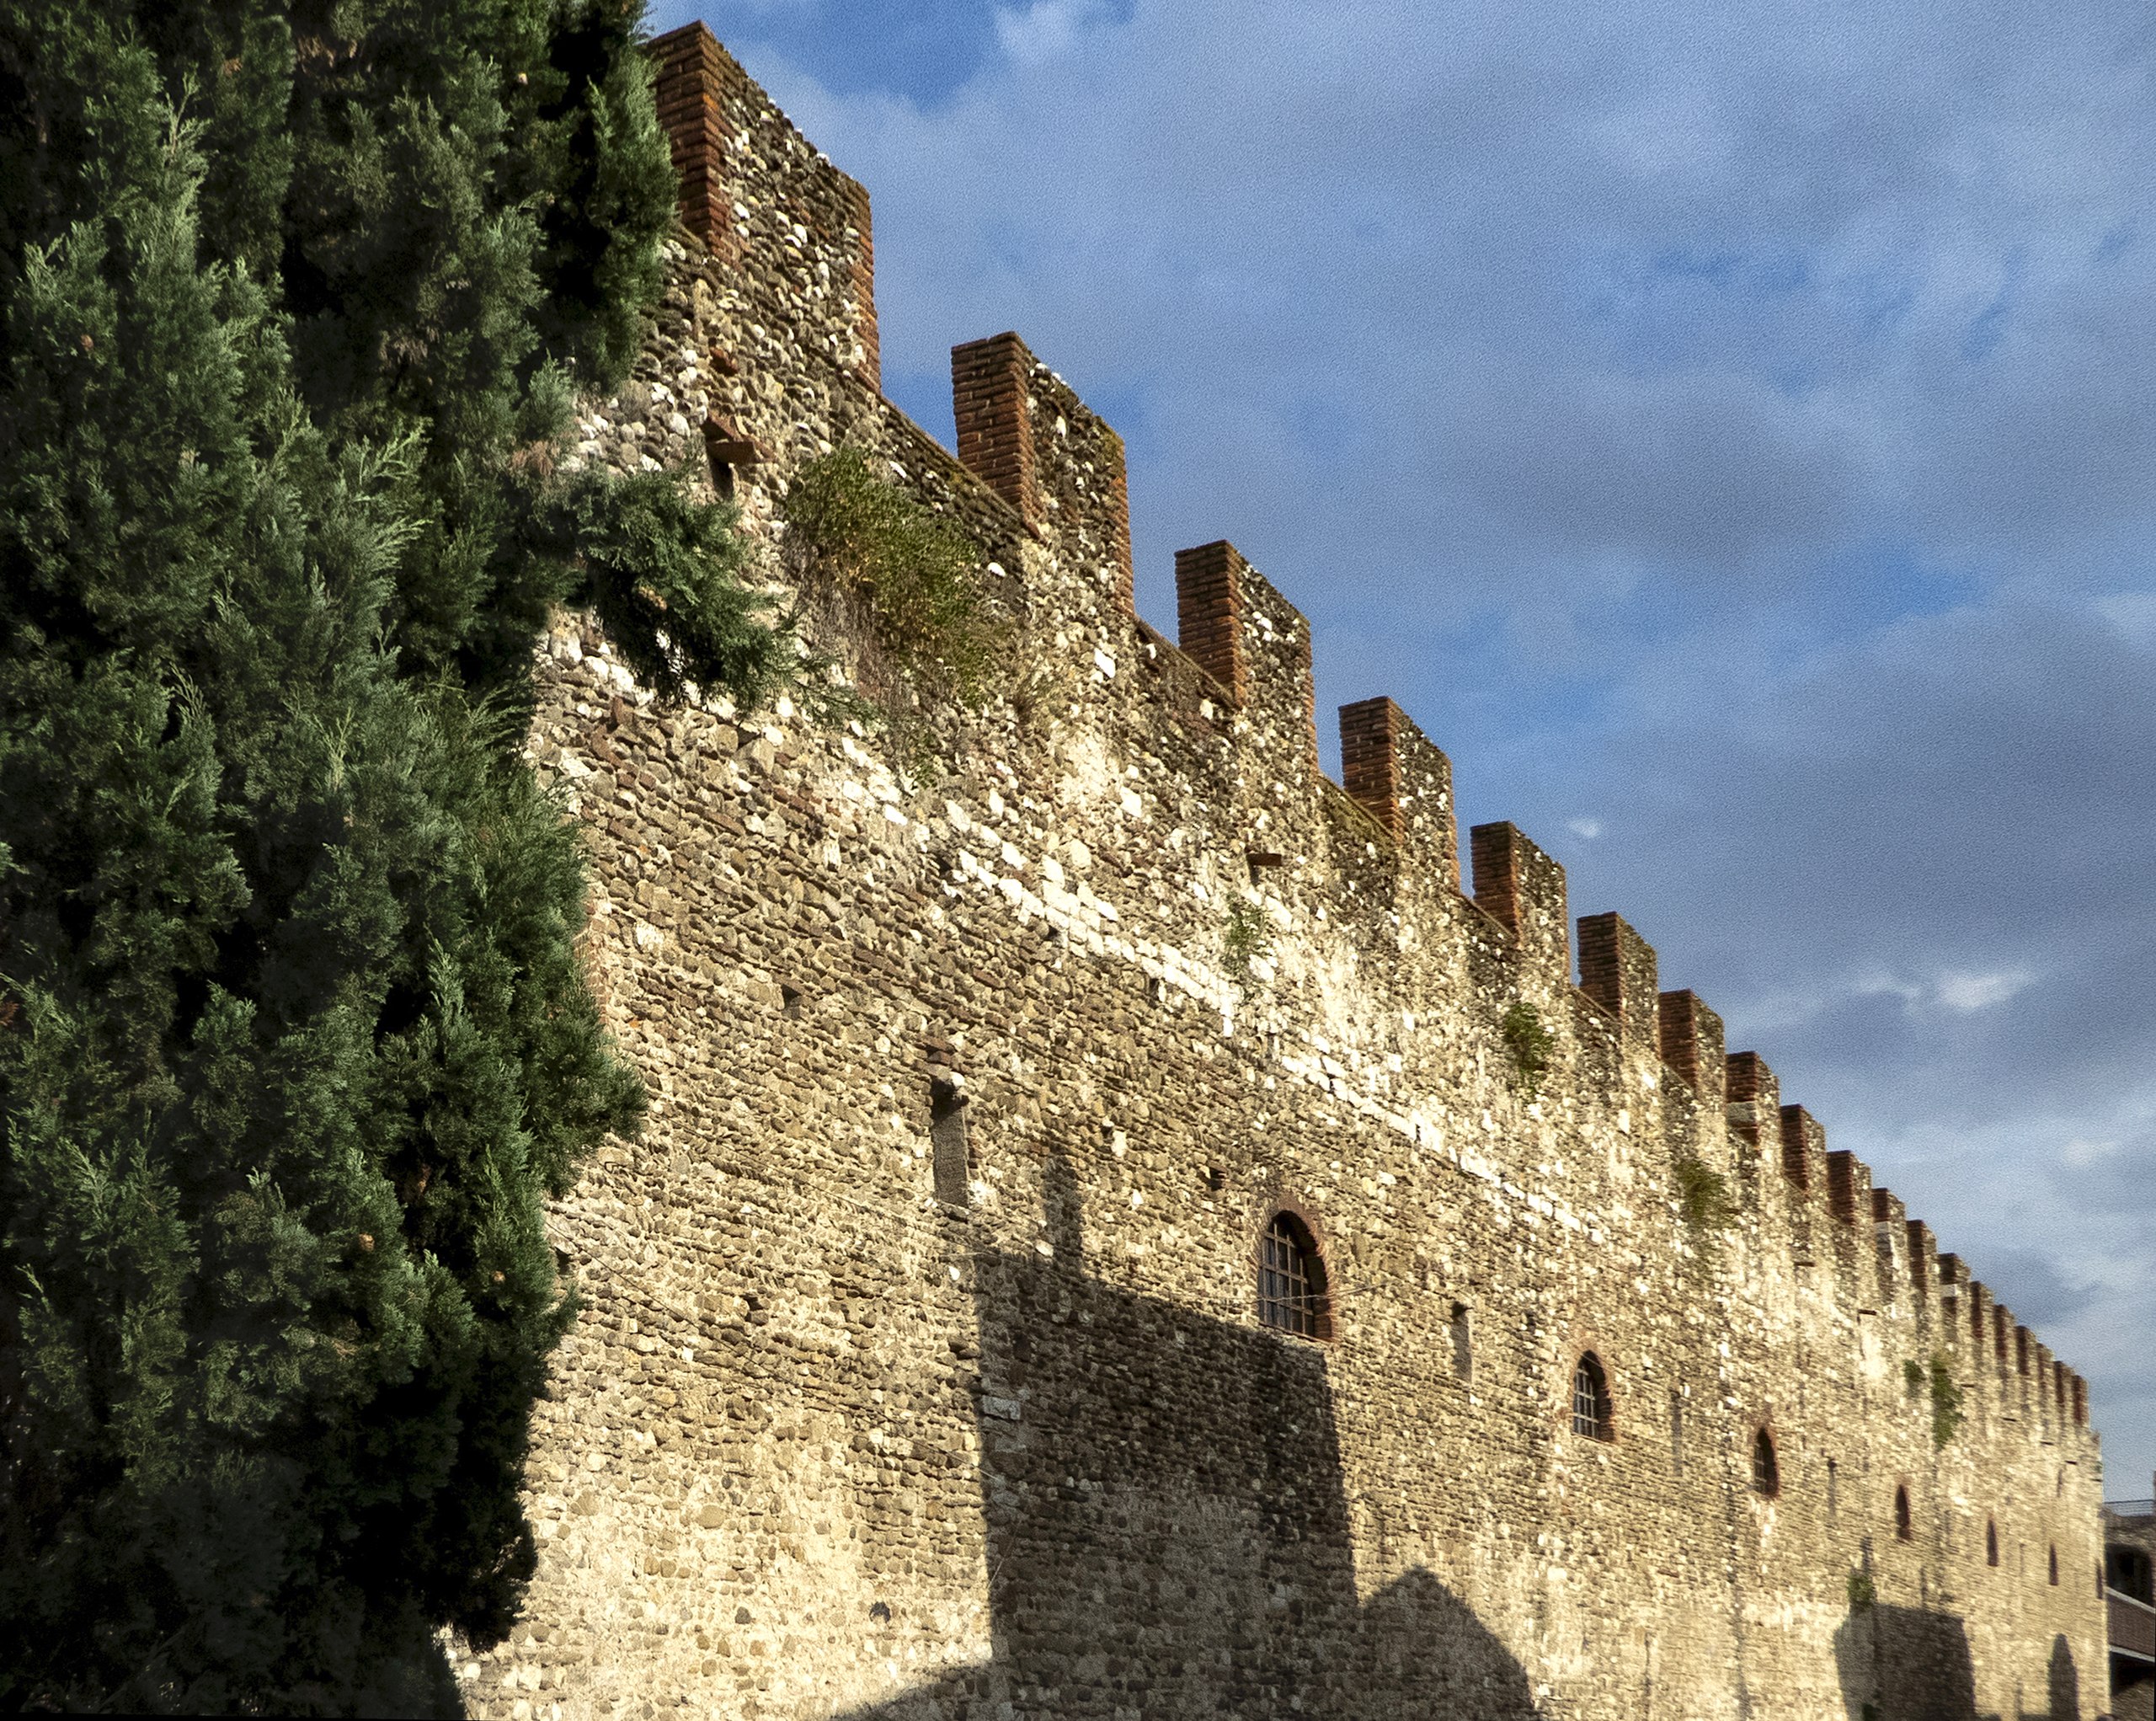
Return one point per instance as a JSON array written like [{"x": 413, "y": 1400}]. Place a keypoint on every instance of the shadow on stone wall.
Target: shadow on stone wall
[
  {"x": 1908, "y": 1664},
  {"x": 1168, "y": 1529},
  {"x": 2065, "y": 1683}
]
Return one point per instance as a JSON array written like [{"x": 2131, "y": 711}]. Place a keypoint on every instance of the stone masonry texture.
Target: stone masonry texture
[{"x": 821, "y": 1444}]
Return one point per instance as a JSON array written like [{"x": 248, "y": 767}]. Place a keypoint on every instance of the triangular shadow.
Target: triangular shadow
[{"x": 1167, "y": 1524}]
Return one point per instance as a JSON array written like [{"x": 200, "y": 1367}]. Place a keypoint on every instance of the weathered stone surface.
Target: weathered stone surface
[{"x": 822, "y": 1445}]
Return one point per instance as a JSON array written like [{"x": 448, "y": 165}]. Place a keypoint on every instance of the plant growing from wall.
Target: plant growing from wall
[
  {"x": 294, "y": 1043},
  {"x": 1246, "y": 938},
  {"x": 1702, "y": 1196},
  {"x": 1530, "y": 1044},
  {"x": 1945, "y": 1400},
  {"x": 1863, "y": 1592},
  {"x": 917, "y": 572}
]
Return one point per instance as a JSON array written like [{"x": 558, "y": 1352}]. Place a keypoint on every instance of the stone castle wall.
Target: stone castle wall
[{"x": 919, "y": 1372}]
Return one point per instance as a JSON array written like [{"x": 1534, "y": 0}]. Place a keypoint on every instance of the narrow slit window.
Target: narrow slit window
[
  {"x": 1591, "y": 1406},
  {"x": 946, "y": 1141},
  {"x": 2054, "y": 1567},
  {"x": 1291, "y": 1290},
  {"x": 1766, "y": 1472},
  {"x": 1991, "y": 1542},
  {"x": 1904, "y": 1524}
]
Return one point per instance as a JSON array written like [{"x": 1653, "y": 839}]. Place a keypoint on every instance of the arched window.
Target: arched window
[
  {"x": 1991, "y": 1542},
  {"x": 2054, "y": 1567},
  {"x": 1591, "y": 1399},
  {"x": 1904, "y": 1528},
  {"x": 1291, "y": 1281},
  {"x": 1766, "y": 1473}
]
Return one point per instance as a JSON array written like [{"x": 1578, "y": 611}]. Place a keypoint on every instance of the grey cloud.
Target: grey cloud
[{"x": 2031, "y": 1284}]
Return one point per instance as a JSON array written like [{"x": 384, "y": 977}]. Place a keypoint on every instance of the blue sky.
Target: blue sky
[{"x": 1730, "y": 429}]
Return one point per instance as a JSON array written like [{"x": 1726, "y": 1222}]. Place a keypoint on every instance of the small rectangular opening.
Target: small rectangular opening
[
  {"x": 789, "y": 1000},
  {"x": 947, "y": 1141}
]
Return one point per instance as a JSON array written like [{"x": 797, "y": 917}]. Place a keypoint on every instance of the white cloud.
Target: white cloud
[
  {"x": 1587, "y": 829},
  {"x": 1959, "y": 993},
  {"x": 2133, "y": 613},
  {"x": 1045, "y": 30},
  {"x": 1880, "y": 984},
  {"x": 1978, "y": 992}
]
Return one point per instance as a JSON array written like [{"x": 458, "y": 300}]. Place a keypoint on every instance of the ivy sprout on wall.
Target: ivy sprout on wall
[
  {"x": 1934, "y": 1381},
  {"x": 1530, "y": 1044},
  {"x": 1247, "y": 937},
  {"x": 917, "y": 572},
  {"x": 1702, "y": 1195},
  {"x": 1946, "y": 1413},
  {"x": 1863, "y": 1592}
]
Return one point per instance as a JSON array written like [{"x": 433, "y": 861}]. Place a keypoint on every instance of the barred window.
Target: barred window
[
  {"x": 1591, "y": 1399},
  {"x": 1291, "y": 1281},
  {"x": 1766, "y": 1472}
]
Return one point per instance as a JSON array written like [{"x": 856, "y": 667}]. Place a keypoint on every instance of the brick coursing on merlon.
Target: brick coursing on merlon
[{"x": 918, "y": 1370}]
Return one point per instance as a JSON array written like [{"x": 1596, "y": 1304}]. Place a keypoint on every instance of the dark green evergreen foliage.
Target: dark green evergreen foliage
[
  {"x": 662, "y": 571},
  {"x": 294, "y": 1040},
  {"x": 459, "y": 203}
]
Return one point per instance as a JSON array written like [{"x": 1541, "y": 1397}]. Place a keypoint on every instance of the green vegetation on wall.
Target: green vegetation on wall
[
  {"x": 917, "y": 572},
  {"x": 1246, "y": 937},
  {"x": 1946, "y": 1399},
  {"x": 1933, "y": 1383},
  {"x": 1529, "y": 1044},
  {"x": 294, "y": 1043},
  {"x": 1702, "y": 1196}
]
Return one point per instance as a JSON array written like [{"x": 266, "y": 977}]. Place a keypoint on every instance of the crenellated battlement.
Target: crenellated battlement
[
  {"x": 923, "y": 1354},
  {"x": 1058, "y": 468}
]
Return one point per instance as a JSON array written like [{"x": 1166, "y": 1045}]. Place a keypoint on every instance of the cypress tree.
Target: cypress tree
[{"x": 294, "y": 1040}]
